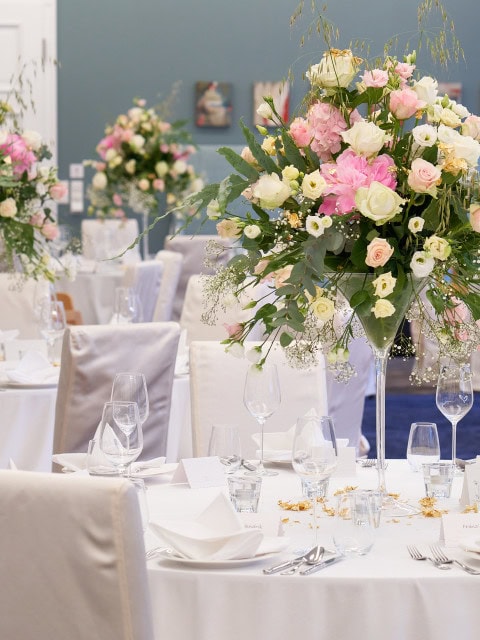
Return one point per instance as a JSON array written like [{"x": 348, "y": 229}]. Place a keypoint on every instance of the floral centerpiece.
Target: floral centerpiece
[
  {"x": 27, "y": 186},
  {"x": 142, "y": 157}
]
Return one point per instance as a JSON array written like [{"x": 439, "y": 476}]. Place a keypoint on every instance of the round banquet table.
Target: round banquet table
[{"x": 384, "y": 594}]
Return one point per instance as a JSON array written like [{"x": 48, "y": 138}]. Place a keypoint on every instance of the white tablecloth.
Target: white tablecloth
[{"x": 382, "y": 595}]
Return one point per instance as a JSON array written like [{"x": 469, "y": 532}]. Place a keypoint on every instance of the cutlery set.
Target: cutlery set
[
  {"x": 313, "y": 559},
  {"x": 440, "y": 560}
]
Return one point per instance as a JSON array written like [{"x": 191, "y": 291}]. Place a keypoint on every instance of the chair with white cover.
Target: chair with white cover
[
  {"x": 172, "y": 267},
  {"x": 145, "y": 278},
  {"x": 91, "y": 356},
  {"x": 103, "y": 239},
  {"x": 193, "y": 250},
  {"x": 73, "y": 559},
  {"x": 217, "y": 380},
  {"x": 18, "y": 297}
]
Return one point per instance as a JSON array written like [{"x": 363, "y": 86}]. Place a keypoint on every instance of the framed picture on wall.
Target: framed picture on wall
[
  {"x": 279, "y": 91},
  {"x": 452, "y": 89},
  {"x": 213, "y": 104}
]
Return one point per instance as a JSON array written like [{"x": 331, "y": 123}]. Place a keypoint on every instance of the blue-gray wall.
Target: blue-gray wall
[{"x": 110, "y": 51}]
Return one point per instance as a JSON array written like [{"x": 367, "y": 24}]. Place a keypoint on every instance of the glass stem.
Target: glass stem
[
  {"x": 314, "y": 513},
  {"x": 261, "y": 422},
  {"x": 454, "y": 441},
  {"x": 381, "y": 359}
]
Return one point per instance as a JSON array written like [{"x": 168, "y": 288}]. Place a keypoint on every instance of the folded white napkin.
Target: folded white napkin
[
  {"x": 78, "y": 462},
  {"x": 215, "y": 534},
  {"x": 33, "y": 368}
]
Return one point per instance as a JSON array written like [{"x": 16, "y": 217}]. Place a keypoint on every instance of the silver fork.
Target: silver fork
[
  {"x": 416, "y": 555},
  {"x": 371, "y": 462},
  {"x": 439, "y": 555}
]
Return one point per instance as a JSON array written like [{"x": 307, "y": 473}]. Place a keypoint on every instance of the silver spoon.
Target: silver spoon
[{"x": 312, "y": 557}]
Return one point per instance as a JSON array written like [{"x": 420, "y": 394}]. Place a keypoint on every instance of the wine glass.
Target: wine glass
[
  {"x": 423, "y": 444},
  {"x": 261, "y": 396},
  {"x": 52, "y": 323},
  {"x": 126, "y": 306},
  {"x": 225, "y": 443},
  {"x": 131, "y": 386},
  {"x": 314, "y": 454},
  {"x": 121, "y": 437},
  {"x": 454, "y": 396}
]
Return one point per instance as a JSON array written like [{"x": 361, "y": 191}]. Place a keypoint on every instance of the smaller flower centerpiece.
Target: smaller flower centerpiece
[
  {"x": 143, "y": 158},
  {"x": 27, "y": 186}
]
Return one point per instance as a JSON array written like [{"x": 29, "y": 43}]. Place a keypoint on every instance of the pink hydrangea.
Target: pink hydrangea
[
  {"x": 327, "y": 123},
  {"x": 22, "y": 157},
  {"x": 347, "y": 175},
  {"x": 301, "y": 132}
]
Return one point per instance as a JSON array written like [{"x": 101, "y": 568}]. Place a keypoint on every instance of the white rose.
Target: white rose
[
  {"x": 8, "y": 208},
  {"x": 41, "y": 189},
  {"x": 252, "y": 231},
  {"x": 270, "y": 191},
  {"x": 180, "y": 166},
  {"x": 99, "y": 181},
  {"x": 32, "y": 139},
  {"x": 365, "y": 138},
  {"x": 137, "y": 142},
  {"x": 415, "y": 224},
  {"x": 425, "y": 135},
  {"x": 449, "y": 118},
  {"x": 426, "y": 89},
  {"x": 313, "y": 185},
  {"x": 378, "y": 202},
  {"x": 265, "y": 111},
  {"x": 437, "y": 247},
  {"x": 322, "y": 308},
  {"x": 421, "y": 264},
  {"x": 336, "y": 69},
  {"x": 135, "y": 113},
  {"x": 161, "y": 169},
  {"x": 384, "y": 284},
  {"x": 383, "y": 309}
]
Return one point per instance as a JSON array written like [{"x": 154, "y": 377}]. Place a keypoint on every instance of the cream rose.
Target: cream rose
[
  {"x": 270, "y": 191},
  {"x": 290, "y": 173},
  {"x": 383, "y": 309},
  {"x": 161, "y": 169},
  {"x": 421, "y": 264},
  {"x": 252, "y": 231},
  {"x": 180, "y": 166},
  {"x": 8, "y": 208},
  {"x": 437, "y": 247},
  {"x": 379, "y": 252},
  {"x": 99, "y": 181},
  {"x": 424, "y": 177},
  {"x": 449, "y": 118},
  {"x": 313, "y": 185},
  {"x": 322, "y": 308},
  {"x": 365, "y": 138},
  {"x": 384, "y": 284},
  {"x": 32, "y": 139},
  {"x": 475, "y": 216},
  {"x": 471, "y": 127},
  {"x": 336, "y": 69},
  {"x": 137, "y": 142},
  {"x": 378, "y": 202},
  {"x": 229, "y": 228}
]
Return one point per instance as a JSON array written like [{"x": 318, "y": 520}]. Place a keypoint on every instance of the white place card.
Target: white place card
[
  {"x": 200, "y": 472},
  {"x": 346, "y": 463},
  {"x": 457, "y": 526},
  {"x": 472, "y": 475},
  {"x": 266, "y": 522}
]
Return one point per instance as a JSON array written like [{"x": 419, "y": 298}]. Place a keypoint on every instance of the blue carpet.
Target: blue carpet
[{"x": 403, "y": 409}]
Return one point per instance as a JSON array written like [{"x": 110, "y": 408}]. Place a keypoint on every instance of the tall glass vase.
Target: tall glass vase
[{"x": 380, "y": 333}]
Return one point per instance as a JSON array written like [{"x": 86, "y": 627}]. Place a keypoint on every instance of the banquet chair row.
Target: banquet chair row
[
  {"x": 73, "y": 559},
  {"x": 91, "y": 356}
]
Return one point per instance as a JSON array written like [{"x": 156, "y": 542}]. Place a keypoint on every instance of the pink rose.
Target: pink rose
[
  {"x": 475, "y": 216},
  {"x": 159, "y": 184},
  {"x": 471, "y": 127},
  {"x": 379, "y": 253},
  {"x": 424, "y": 177},
  {"x": 234, "y": 330},
  {"x": 404, "y": 70},
  {"x": 58, "y": 191},
  {"x": 49, "y": 230},
  {"x": 375, "y": 78},
  {"x": 301, "y": 132},
  {"x": 404, "y": 103},
  {"x": 36, "y": 220}
]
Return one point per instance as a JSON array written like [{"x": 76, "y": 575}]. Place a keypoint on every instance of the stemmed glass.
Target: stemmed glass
[
  {"x": 121, "y": 437},
  {"x": 126, "y": 306},
  {"x": 225, "y": 443},
  {"x": 52, "y": 323},
  {"x": 454, "y": 396},
  {"x": 314, "y": 454},
  {"x": 261, "y": 396},
  {"x": 132, "y": 387}
]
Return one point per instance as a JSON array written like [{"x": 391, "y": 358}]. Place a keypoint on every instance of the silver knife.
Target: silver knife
[
  {"x": 284, "y": 565},
  {"x": 320, "y": 565}
]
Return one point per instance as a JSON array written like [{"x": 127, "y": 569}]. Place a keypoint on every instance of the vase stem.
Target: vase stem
[{"x": 381, "y": 359}]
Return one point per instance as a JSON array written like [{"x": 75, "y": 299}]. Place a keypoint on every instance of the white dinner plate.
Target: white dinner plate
[
  {"x": 171, "y": 556},
  {"x": 471, "y": 544},
  {"x": 28, "y": 385}
]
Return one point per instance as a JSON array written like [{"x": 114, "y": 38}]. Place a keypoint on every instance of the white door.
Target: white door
[{"x": 28, "y": 46}]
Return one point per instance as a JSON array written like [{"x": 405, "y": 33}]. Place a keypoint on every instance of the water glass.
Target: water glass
[
  {"x": 438, "y": 477},
  {"x": 97, "y": 463},
  {"x": 423, "y": 444},
  {"x": 245, "y": 493},
  {"x": 225, "y": 443},
  {"x": 315, "y": 488},
  {"x": 356, "y": 518}
]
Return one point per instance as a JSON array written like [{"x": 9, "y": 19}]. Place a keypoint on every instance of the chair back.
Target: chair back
[
  {"x": 73, "y": 559},
  {"x": 217, "y": 381},
  {"x": 146, "y": 279},
  {"x": 72, "y": 315},
  {"x": 91, "y": 356},
  {"x": 18, "y": 305},
  {"x": 172, "y": 267},
  {"x": 103, "y": 239}
]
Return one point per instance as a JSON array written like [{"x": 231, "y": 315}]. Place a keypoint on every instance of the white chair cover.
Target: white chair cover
[
  {"x": 193, "y": 250},
  {"x": 18, "y": 302},
  {"x": 73, "y": 559},
  {"x": 102, "y": 239},
  {"x": 216, "y": 385},
  {"x": 172, "y": 268},
  {"x": 91, "y": 356},
  {"x": 146, "y": 279}
]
